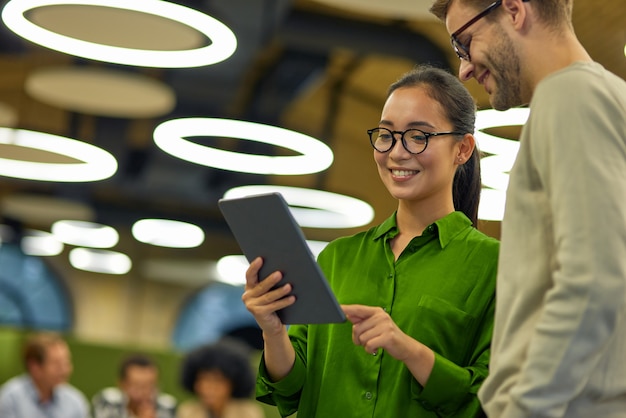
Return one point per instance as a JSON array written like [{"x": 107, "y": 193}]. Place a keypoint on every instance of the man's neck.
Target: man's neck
[{"x": 551, "y": 53}]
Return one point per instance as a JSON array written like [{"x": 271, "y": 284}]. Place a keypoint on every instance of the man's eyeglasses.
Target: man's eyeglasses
[
  {"x": 462, "y": 50},
  {"x": 413, "y": 140}
]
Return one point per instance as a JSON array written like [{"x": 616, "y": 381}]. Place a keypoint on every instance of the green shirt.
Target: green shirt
[{"x": 440, "y": 291}]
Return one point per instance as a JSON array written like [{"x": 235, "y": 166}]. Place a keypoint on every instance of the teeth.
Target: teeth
[{"x": 403, "y": 173}]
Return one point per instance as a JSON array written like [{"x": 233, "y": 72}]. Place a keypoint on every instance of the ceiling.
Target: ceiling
[{"x": 305, "y": 65}]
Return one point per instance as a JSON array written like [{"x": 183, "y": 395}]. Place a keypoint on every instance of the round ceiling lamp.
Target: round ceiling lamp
[
  {"x": 43, "y": 211},
  {"x": 40, "y": 243},
  {"x": 231, "y": 269},
  {"x": 315, "y": 156},
  {"x": 101, "y": 92},
  {"x": 100, "y": 261},
  {"x": 495, "y": 168},
  {"x": 315, "y": 208},
  {"x": 168, "y": 233},
  {"x": 222, "y": 46},
  {"x": 94, "y": 163},
  {"x": 85, "y": 234}
]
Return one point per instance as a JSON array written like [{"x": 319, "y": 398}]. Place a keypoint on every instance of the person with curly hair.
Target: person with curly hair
[{"x": 222, "y": 379}]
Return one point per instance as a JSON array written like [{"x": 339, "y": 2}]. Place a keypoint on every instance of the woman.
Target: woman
[
  {"x": 418, "y": 290},
  {"x": 222, "y": 379}
]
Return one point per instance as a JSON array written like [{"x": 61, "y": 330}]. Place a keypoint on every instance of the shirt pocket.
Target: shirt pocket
[{"x": 443, "y": 327}]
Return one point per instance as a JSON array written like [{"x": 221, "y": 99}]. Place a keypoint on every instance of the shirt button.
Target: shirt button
[
  {"x": 390, "y": 276},
  {"x": 430, "y": 228},
  {"x": 368, "y": 395}
]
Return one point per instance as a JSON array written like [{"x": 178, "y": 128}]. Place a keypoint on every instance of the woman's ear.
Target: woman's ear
[{"x": 465, "y": 148}]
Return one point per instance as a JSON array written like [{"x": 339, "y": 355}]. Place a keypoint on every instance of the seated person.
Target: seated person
[
  {"x": 137, "y": 394},
  {"x": 221, "y": 377},
  {"x": 43, "y": 391}
]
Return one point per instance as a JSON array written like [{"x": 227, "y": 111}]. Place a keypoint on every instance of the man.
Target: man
[
  {"x": 43, "y": 391},
  {"x": 137, "y": 394},
  {"x": 559, "y": 346}
]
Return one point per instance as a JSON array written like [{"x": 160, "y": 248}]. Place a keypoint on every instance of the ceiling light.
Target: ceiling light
[
  {"x": 315, "y": 155},
  {"x": 40, "y": 243},
  {"x": 491, "y": 206},
  {"x": 100, "y": 261},
  {"x": 223, "y": 42},
  {"x": 101, "y": 91},
  {"x": 168, "y": 233},
  {"x": 95, "y": 163},
  {"x": 495, "y": 168},
  {"x": 315, "y": 208},
  {"x": 231, "y": 269},
  {"x": 85, "y": 234}
]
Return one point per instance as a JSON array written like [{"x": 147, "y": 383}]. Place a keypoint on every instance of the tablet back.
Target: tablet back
[{"x": 264, "y": 227}]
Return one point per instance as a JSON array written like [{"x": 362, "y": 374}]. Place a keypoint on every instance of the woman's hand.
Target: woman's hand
[
  {"x": 262, "y": 301},
  {"x": 374, "y": 329}
]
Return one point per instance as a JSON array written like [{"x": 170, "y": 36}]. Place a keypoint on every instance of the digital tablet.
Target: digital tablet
[{"x": 264, "y": 227}]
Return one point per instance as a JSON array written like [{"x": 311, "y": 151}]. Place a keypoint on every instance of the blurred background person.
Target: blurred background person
[
  {"x": 137, "y": 394},
  {"x": 43, "y": 391},
  {"x": 221, "y": 377}
]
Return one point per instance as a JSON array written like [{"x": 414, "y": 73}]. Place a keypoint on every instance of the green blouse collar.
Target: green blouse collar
[{"x": 445, "y": 228}]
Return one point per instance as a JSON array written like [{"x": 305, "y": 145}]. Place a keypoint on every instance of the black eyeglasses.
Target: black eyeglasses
[
  {"x": 413, "y": 140},
  {"x": 462, "y": 50}
]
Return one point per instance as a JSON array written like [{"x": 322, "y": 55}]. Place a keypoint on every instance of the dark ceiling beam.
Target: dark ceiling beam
[{"x": 322, "y": 33}]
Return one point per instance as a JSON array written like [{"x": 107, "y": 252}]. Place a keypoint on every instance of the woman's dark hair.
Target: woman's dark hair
[
  {"x": 228, "y": 357},
  {"x": 460, "y": 110}
]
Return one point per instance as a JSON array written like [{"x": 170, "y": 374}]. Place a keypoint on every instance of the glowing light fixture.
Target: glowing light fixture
[
  {"x": 168, "y": 233},
  {"x": 315, "y": 155},
  {"x": 100, "y": 261},
  {"x": 40, "y": 243},
  {"x": 96, "y": 163},
  {"x": 315, "y": 208},
  {"x": 85, "y": 234},
  {"x": 495, "y": 168},
  {"x": 223, "y": 41},
  {"x": 231, "y": 269}
]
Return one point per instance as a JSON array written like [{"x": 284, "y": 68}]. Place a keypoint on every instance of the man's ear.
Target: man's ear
[{"x": 516, "y": 11}]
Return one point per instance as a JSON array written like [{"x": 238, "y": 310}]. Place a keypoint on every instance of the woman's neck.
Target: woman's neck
[{"x": 413, "y": 217}]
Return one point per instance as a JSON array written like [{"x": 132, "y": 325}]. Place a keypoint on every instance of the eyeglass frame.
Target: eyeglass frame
[
  {"x": 427, "y": 136},
  {"x": 462, "y": 50}
]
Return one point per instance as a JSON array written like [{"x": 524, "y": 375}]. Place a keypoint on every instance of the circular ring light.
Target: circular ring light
[
  {"x": 85, "y": 234},
  {"x": 40, "y": 243},
  {"x": 170, "y": 137},
  {"x": 315, "y": 208},
  {"x": 100, "y": 261},
  {"x": 495, "y": 168},
  {"x": 97, "y": 164},
  {"x": 168, "y": 233},
  {"x": 223, "y": 41}
]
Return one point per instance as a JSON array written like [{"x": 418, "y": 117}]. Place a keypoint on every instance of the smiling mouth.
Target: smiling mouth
[{"x": 404, "y": 173}]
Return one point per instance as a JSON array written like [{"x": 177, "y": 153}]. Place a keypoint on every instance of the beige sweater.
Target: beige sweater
[{"x": 559, "y": 343}]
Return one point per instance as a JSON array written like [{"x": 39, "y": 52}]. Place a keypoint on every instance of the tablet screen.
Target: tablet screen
[{"x": 264, "y": 227}]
